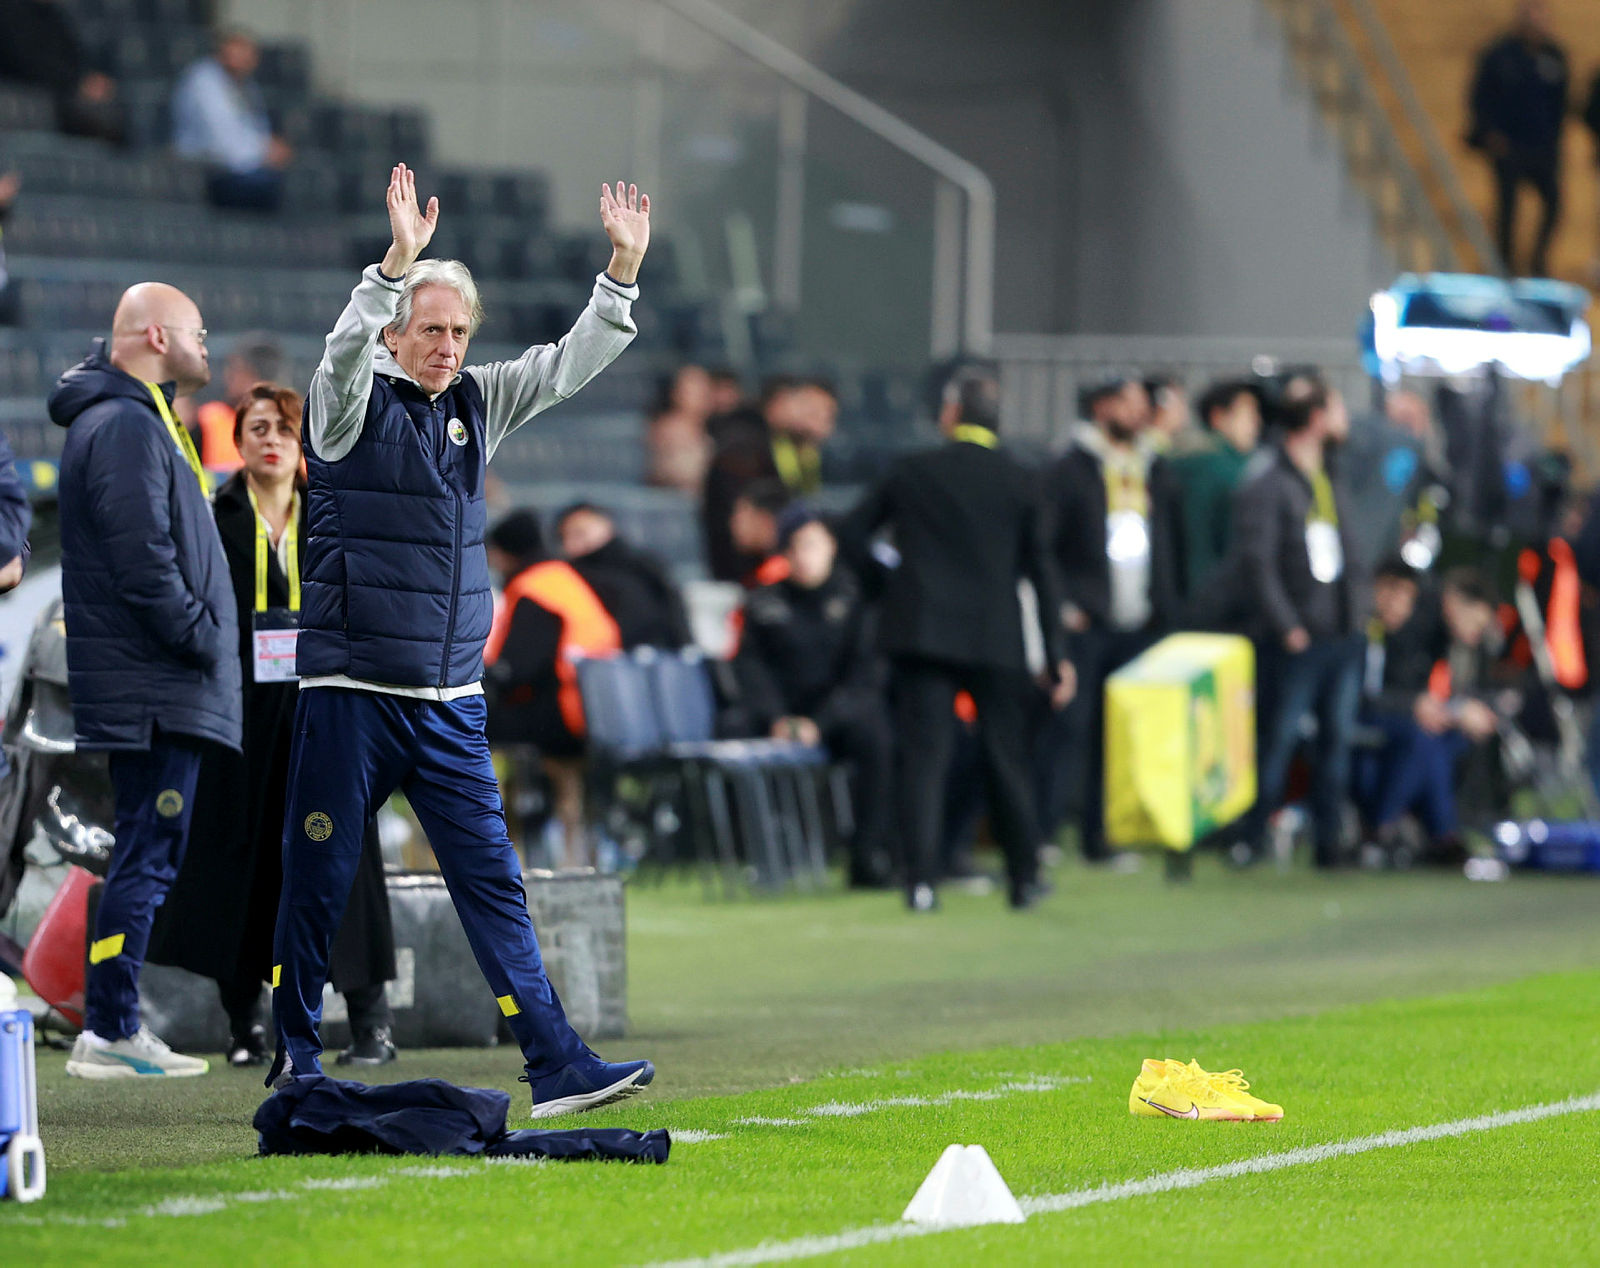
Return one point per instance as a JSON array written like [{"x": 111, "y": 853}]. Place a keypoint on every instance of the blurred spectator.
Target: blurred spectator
[
  {"x": 1168, "y": 430},
  {"x": 808, "y": 672},
  {"x": 39, "y": 44},
  {"x": 634, "y": 585},
  {"x": 1434, "y": 712},
  {"x": 220, "y": 118},
  {"x": 1112, "y": 509},
  {"x": 1398, "y": 481},
  {"x": 676, "y": 439},
  {"x": 966, "y": 527},
  {"x": 753, "y": 532},
  {"x": 252, "y": 359},
  {"x": 549, "y": 619},
  {"x": 1518, "y": 104},
  {"x": 1591, "y": 120},
  {"x": 727, "y": 393},
  {"x": 1303, "y": 598},
  {"x": 218, "y": 918},
  {"x": 783, "y": 442},
  {"x": 10, "y": 187},
  {"x": 1206, "y": 476}
]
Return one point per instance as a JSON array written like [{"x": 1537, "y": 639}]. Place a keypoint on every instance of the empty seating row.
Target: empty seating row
[
  {"x": 54, "y": 164},
  {"x": 144, "y": 50},
  {"x": 25, "y": 110},
  {"x": 50, "y": 226},
  {"x": 755, "y": 808},
  {"x": 165, "y": 12}
]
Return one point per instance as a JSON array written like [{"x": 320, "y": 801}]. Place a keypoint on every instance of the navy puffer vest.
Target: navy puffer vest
[{"x": 396, "y": 586}]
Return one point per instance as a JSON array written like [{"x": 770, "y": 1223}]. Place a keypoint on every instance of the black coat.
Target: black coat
[
  {"x": 1075, "y": 510},
  {"x": 965, "y": 521},
  {"x": 636, "y": 589},
  {"x": 150, "y": 623},
  {"x": 218, "y": 918},
  {"x": 743, "y": 456},
  {"x": 1520, "y": 92},
  {"x": 809, "y": 653},
  {"x": 1269, "y": 568}
]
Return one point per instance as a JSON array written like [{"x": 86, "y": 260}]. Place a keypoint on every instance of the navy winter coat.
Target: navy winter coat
[
  {"x": 152, "y": 639},
  {"x": 397, "y": 587}
]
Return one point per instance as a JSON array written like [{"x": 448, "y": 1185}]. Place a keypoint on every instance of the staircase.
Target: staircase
[
  {"x": 1438, "y": 41},
  {"x": 1392, "y": 78}
]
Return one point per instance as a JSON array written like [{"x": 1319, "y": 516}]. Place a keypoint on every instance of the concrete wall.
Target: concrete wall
[{"x": 1160, "y": 170}]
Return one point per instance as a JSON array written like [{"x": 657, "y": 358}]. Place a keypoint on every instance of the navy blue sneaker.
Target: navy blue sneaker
[{"x": 587, "y": 1084}]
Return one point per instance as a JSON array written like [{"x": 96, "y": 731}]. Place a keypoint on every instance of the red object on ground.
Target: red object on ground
[{"x": 53, "y": 964}]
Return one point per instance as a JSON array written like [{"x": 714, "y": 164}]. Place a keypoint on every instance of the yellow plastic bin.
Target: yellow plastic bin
[{"x": 1180, "y": 741}]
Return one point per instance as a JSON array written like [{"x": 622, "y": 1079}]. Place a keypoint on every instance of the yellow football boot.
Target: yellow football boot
[
  {"x": 1171, "y": 1089},
  {"x": 1151, "y": 1076},
  {"x": 1232, "y": 1083}
]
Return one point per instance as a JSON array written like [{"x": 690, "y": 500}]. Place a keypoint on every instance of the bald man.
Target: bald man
[{"x": 152, "y": 642}]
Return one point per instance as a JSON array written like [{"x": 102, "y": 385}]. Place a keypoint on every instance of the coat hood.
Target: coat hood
[{"x": 92, "y": 380}]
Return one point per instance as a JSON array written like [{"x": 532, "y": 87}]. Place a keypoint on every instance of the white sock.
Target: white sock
[{"x": 94, "y": 1040}]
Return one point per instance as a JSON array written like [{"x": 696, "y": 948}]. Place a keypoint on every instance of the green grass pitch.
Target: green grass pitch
[{"x": 863, "y": 1041}]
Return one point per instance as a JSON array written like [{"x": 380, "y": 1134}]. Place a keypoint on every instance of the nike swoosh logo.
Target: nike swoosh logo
[{"x": 1194, "y": 1110}]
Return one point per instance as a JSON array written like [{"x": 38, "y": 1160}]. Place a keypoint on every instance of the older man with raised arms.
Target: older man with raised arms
[{"x": 397, "y": 605}]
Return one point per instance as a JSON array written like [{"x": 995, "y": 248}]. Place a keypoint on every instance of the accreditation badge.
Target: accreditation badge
[
  {"x": 1325, "y": 551},
  {"x": 276, "y": 634},
  {"x": 1127, "y": 538}
]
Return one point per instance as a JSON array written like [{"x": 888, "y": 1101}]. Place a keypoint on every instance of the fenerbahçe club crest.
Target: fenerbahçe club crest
[
  {"x": 318, "y": 826},
  {"x": 169, "y": 804}
]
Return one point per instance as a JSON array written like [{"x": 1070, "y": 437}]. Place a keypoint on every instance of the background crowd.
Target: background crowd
[{"x": 1374, "y": 561}]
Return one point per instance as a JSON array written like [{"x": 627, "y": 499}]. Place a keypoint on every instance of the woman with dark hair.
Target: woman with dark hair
[{"x": 219, "y": 916}]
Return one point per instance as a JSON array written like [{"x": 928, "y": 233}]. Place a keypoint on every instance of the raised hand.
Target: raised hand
[
  {"x": 412, "y": 229},
  {"x": 625, "y": 216}
]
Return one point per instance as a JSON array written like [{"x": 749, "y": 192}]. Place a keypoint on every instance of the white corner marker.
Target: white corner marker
[{"x": 963, "y": 1189}]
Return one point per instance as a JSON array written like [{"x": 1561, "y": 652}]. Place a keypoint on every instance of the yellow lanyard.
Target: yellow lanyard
[
  {"x": 264, "y": 548},
  {"x": 1126, "y": 490},
  {"x": 1324, "y": 508},
  {"x": 799, "y": 467},
  {"x": 972, "y": 434},
  {"x": 180, "y": 437}
]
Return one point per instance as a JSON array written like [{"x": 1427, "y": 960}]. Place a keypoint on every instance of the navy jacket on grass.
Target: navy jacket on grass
[
  {"x": 318, "y": 1115},
  {"x": 152, "y": 639}
]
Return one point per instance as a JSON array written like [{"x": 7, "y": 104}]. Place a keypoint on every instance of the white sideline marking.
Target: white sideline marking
[
  {"x": 187, "y": 1206},
  {"x": 346, "y": 1182},
  {"x": 854, "y": 1109},
  {"x": 694, "y": 1136},
  {"x": 432, "y": 1173},
  {"x": 1165, "y": 1182},
  {"x": 759, "y": 1121}
]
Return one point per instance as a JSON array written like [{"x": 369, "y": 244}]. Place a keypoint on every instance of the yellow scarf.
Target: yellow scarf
[{"x": 180, "y": 437}]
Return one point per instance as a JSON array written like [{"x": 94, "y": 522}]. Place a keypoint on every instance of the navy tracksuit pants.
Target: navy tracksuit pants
[
  {"x": 154, "y": 798},
  {"x": 351, "y": 750}
]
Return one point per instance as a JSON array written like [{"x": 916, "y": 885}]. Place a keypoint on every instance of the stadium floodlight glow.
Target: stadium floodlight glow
[{"x": 1457, "y": 324}]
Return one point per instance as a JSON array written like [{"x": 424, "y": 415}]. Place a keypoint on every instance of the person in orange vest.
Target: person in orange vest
[
  {"x": 548, "y": 619},
  {"x": 251, "y": 360},
  {"x": 1444, "y": 744}
]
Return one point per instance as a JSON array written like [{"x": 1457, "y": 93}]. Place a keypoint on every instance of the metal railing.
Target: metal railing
[
  {"x": 1377, "y": 161},
  {"x": 1440, "y": 168},
  {"x": 963, "y": 297},
  {"x": 1042, "y": 374}
]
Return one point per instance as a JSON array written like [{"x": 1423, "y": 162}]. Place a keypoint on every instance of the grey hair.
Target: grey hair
[{"x": 451, "y": 273}]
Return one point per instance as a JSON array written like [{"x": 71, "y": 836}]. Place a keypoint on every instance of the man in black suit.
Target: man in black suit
[
  {"x": 965, "y": 522},
  {"x": 1112, "y": 507}
]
